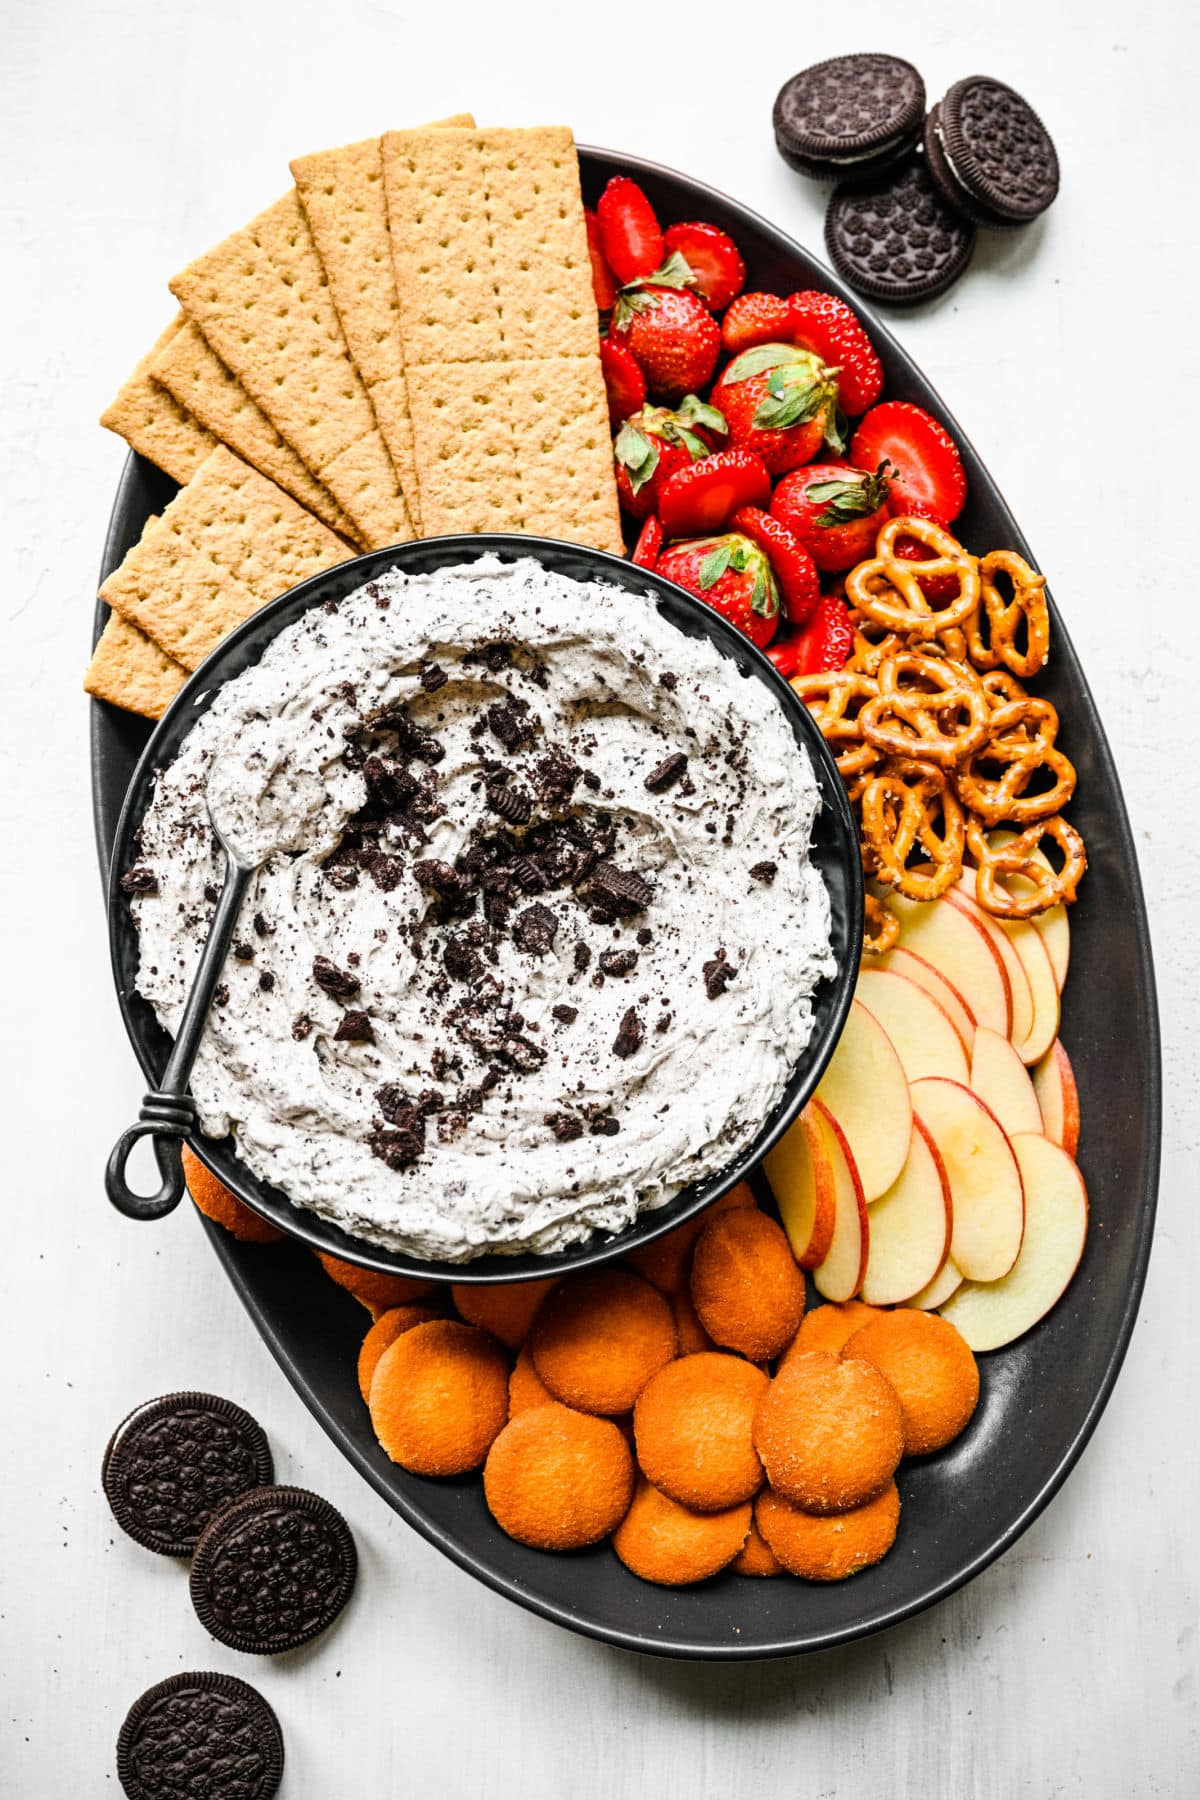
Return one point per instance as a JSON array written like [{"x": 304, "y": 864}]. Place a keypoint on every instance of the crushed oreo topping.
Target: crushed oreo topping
[
  {"x": 354, "y": 1028},
  {"x": 535, "y": 929},
  {"x": 630, "y": 1033},
  {"x": 511, "y": 803},
  {"x": 301, "y": 1026},
  {"x": 718, "y": 973},
  {"x": 667, "y": 773},
  {"x": 338, "y": 982},
  {"x": 764, "y": 872},
  {"x": 140, "y": 880},
  {"x": 566, "y": 1015},
  {"x": 618, "y": 962},
  {"x": 432, "y": 677},
  {"x": 242, "y": 951},
  {"x": 565, "y": 1126}
]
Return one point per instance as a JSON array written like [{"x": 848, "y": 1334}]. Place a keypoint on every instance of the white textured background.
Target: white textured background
[{"x": 134, "y": 134}]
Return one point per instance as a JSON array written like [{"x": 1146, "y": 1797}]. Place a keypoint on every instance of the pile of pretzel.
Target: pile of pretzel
[{"x": 938, "y": 741}]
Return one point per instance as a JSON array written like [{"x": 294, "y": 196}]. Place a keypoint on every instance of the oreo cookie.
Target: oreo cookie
[
  {"x": 895, "y": 238},
  {"x": 175, "y": 1462},
  {"x": 989, "y": 153},
  {"x": 204, "y": 1735},
  {"x": 273, "y": 1570},
  {"x": 851, "y": 114}
]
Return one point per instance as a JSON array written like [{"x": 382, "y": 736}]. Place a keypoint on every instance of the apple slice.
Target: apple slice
[
  {"x": 910, "y": 1227},
  {"x": 1030, "y": 946},
  {"x": 1058, "y": 1097},
  {"x": 946, "y": 1282},
  {"x": 960, "y": 950},
  {"x": 923, "y": 1035},
  {"x": 1018, "y": 981},
  {"x": 840, "y": 1276},
  {"x": 900, "y": 961},
  {"x": 993, "y": 1313},
  {"x": 865, "y": 1090},
  {"x": 1002, "y": 1082},
  {"x": 801, "y": 1173},
  {"x": 1054, "y": 924},
  {"x": 985, "y": 1182}
]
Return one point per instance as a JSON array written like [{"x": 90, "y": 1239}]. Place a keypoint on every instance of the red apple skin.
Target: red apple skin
[{"x": 863, "y": 1215}]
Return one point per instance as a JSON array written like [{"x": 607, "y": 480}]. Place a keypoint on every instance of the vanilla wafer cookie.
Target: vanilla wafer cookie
[
  {"x": 192, "y": 372},
  {"x": 154, "y": 423},
  {"x": 262, "y": 301},
  {"x": 228, "y": 542},
  {"x": 129, "y": 670},
  {"x": 341, "y": 191}
]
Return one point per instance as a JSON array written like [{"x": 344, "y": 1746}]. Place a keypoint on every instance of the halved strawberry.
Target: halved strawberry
[
  {"x": 623, "y": 378},
  {"x": 629, "y": 231},
  {"x": 671, "y": 332},
  {"x": 604, "y": 283},
  {"x": 938, "y": 589},
  {"x": 705, "y": 496},
  {"x": 714, "y": 259},
  {"x": 825, "y": 325},
  {"x": 795, "y": 571},
  {"x": 836, "y": 510},
  {"x": 733, "y": 576},
  {"x": 826, "y": 642},
  {"x": 784, "y": 652},
  {"x": 754, "y": 319},
  {"x": 654, "y": 442},
  {"x": 929, "y": 471},
  {"x": 651, "y": 539},
  {"x": 781, "y": 403}
]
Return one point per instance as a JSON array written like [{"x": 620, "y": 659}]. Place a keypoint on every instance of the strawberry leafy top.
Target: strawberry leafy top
[
  {"x": 737, "y": 554},
  {"x": 845, "y": 499},
  {"x": 636, "y": 444},
  {"x": 676, "y": 272},
  {"x": 799, "y": 388}
]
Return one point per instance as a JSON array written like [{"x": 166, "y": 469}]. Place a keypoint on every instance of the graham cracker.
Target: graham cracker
[
  {"x": 341, "y": 191},
  {"x": 191, "y": 371},
  {"x": 128, "y": 669},
  {"x": 500, "y": 332},
  {"x": 154, "y": 423},
  {"x": 228, "y": 542},
  {"x": 262, "y": 301}
]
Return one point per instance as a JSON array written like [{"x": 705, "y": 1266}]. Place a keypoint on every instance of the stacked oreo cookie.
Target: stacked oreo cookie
[{"x": 912, "y": 186}]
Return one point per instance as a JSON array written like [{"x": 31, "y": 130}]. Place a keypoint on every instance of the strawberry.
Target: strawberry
[
  {"x": 623, "y": 378},
  {"x": 651, "y": 539},
  {"x": 795, "y": 571},
  {"x": 929, "y": 472},
  {"x": 825, "y": 325},
  {"x": 835, "y": 510},
  {"x": 754, "y": 319},
  {"x": 714, "y": 259},
  {"x": 654, "y": 442},
  {"x": 629, "y": 232},
  {"x": 705, "y": 496},
  {"x": 604, "y": 284},
  {"x": 938, "y": 589},
  {"x": 826, "y": 642},
  {"x": 671, "y": 332},
  {"x": 781, "y": 403},
  {"x": 733, "y": 576},
  {"x": 784, "y": 652}
]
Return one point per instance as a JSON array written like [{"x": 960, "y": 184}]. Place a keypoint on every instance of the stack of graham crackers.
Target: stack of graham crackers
[{"x": 405, "y": 345}]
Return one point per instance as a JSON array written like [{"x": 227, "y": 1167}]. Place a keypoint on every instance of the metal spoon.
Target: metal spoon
[{"x": 169, "y": 1113}]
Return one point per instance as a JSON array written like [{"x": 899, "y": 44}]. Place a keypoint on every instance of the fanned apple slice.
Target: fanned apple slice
[
  {"x": 1054, "y": 924},
  {"x": 910, "y": 1227},
  {"x": 946, "y": 1282},
  {"x": 962, "y": 951},
  {"x": 801, "y": 1175},
  {"x": 985, "y": 1182},
  {"x": 1030, "y": 946},
  {"x": 900, "y": 961},
  {"x": 865, "y": 1090},
  {"x": 1058, "y": 1097},
  {"x": 923, "y": 1035},
  {"x": 1018, "y": 980},
  {"x": 840, "y": 1276},
  {"x": 990, "y": 1314},
  {"x": 1002, "y": 1082}
]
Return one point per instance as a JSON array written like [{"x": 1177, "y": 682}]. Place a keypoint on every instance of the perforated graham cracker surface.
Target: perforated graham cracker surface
[
  {"x": 341, "y": 191},
  {"x": 153, "y": 422},
  {"x": 228, "y": 542},
  {"x": 128, "y": 669},
  {"x": 191, "y": 371},
  {"x": 262, "y": 301},
  {"x": 500, "y": 333}
]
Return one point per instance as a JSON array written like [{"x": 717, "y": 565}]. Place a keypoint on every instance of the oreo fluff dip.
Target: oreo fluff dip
[{"x": 536, "y": 935}]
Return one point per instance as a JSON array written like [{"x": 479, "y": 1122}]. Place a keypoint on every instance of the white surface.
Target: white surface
[{"x": 136, "y": 134}]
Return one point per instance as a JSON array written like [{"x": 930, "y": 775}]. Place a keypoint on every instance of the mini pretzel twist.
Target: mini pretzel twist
[
  {"x": 887, "y": 588},
  {"x": 1022, "y": 745},
  {"x": 1005, "y": 617},
  {"x": 881, "y": 927},
  {"x": 1047, "y": 887},
  {"x": 901, "y": 808},
  {"x": 926, "y": 707},
  {"x": 835, "y": 699}
]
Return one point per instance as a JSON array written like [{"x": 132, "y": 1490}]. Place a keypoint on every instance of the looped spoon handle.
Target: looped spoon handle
[{"x": 168, "y": 1115}]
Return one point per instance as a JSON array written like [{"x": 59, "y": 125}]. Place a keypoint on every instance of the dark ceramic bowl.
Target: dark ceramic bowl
[
  {"x": 835, "y": 853},
  {"x": 1041, "y": 1397}
]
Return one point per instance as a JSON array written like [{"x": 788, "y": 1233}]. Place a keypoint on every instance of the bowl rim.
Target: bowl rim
[{"x": 229, "y": 659}]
